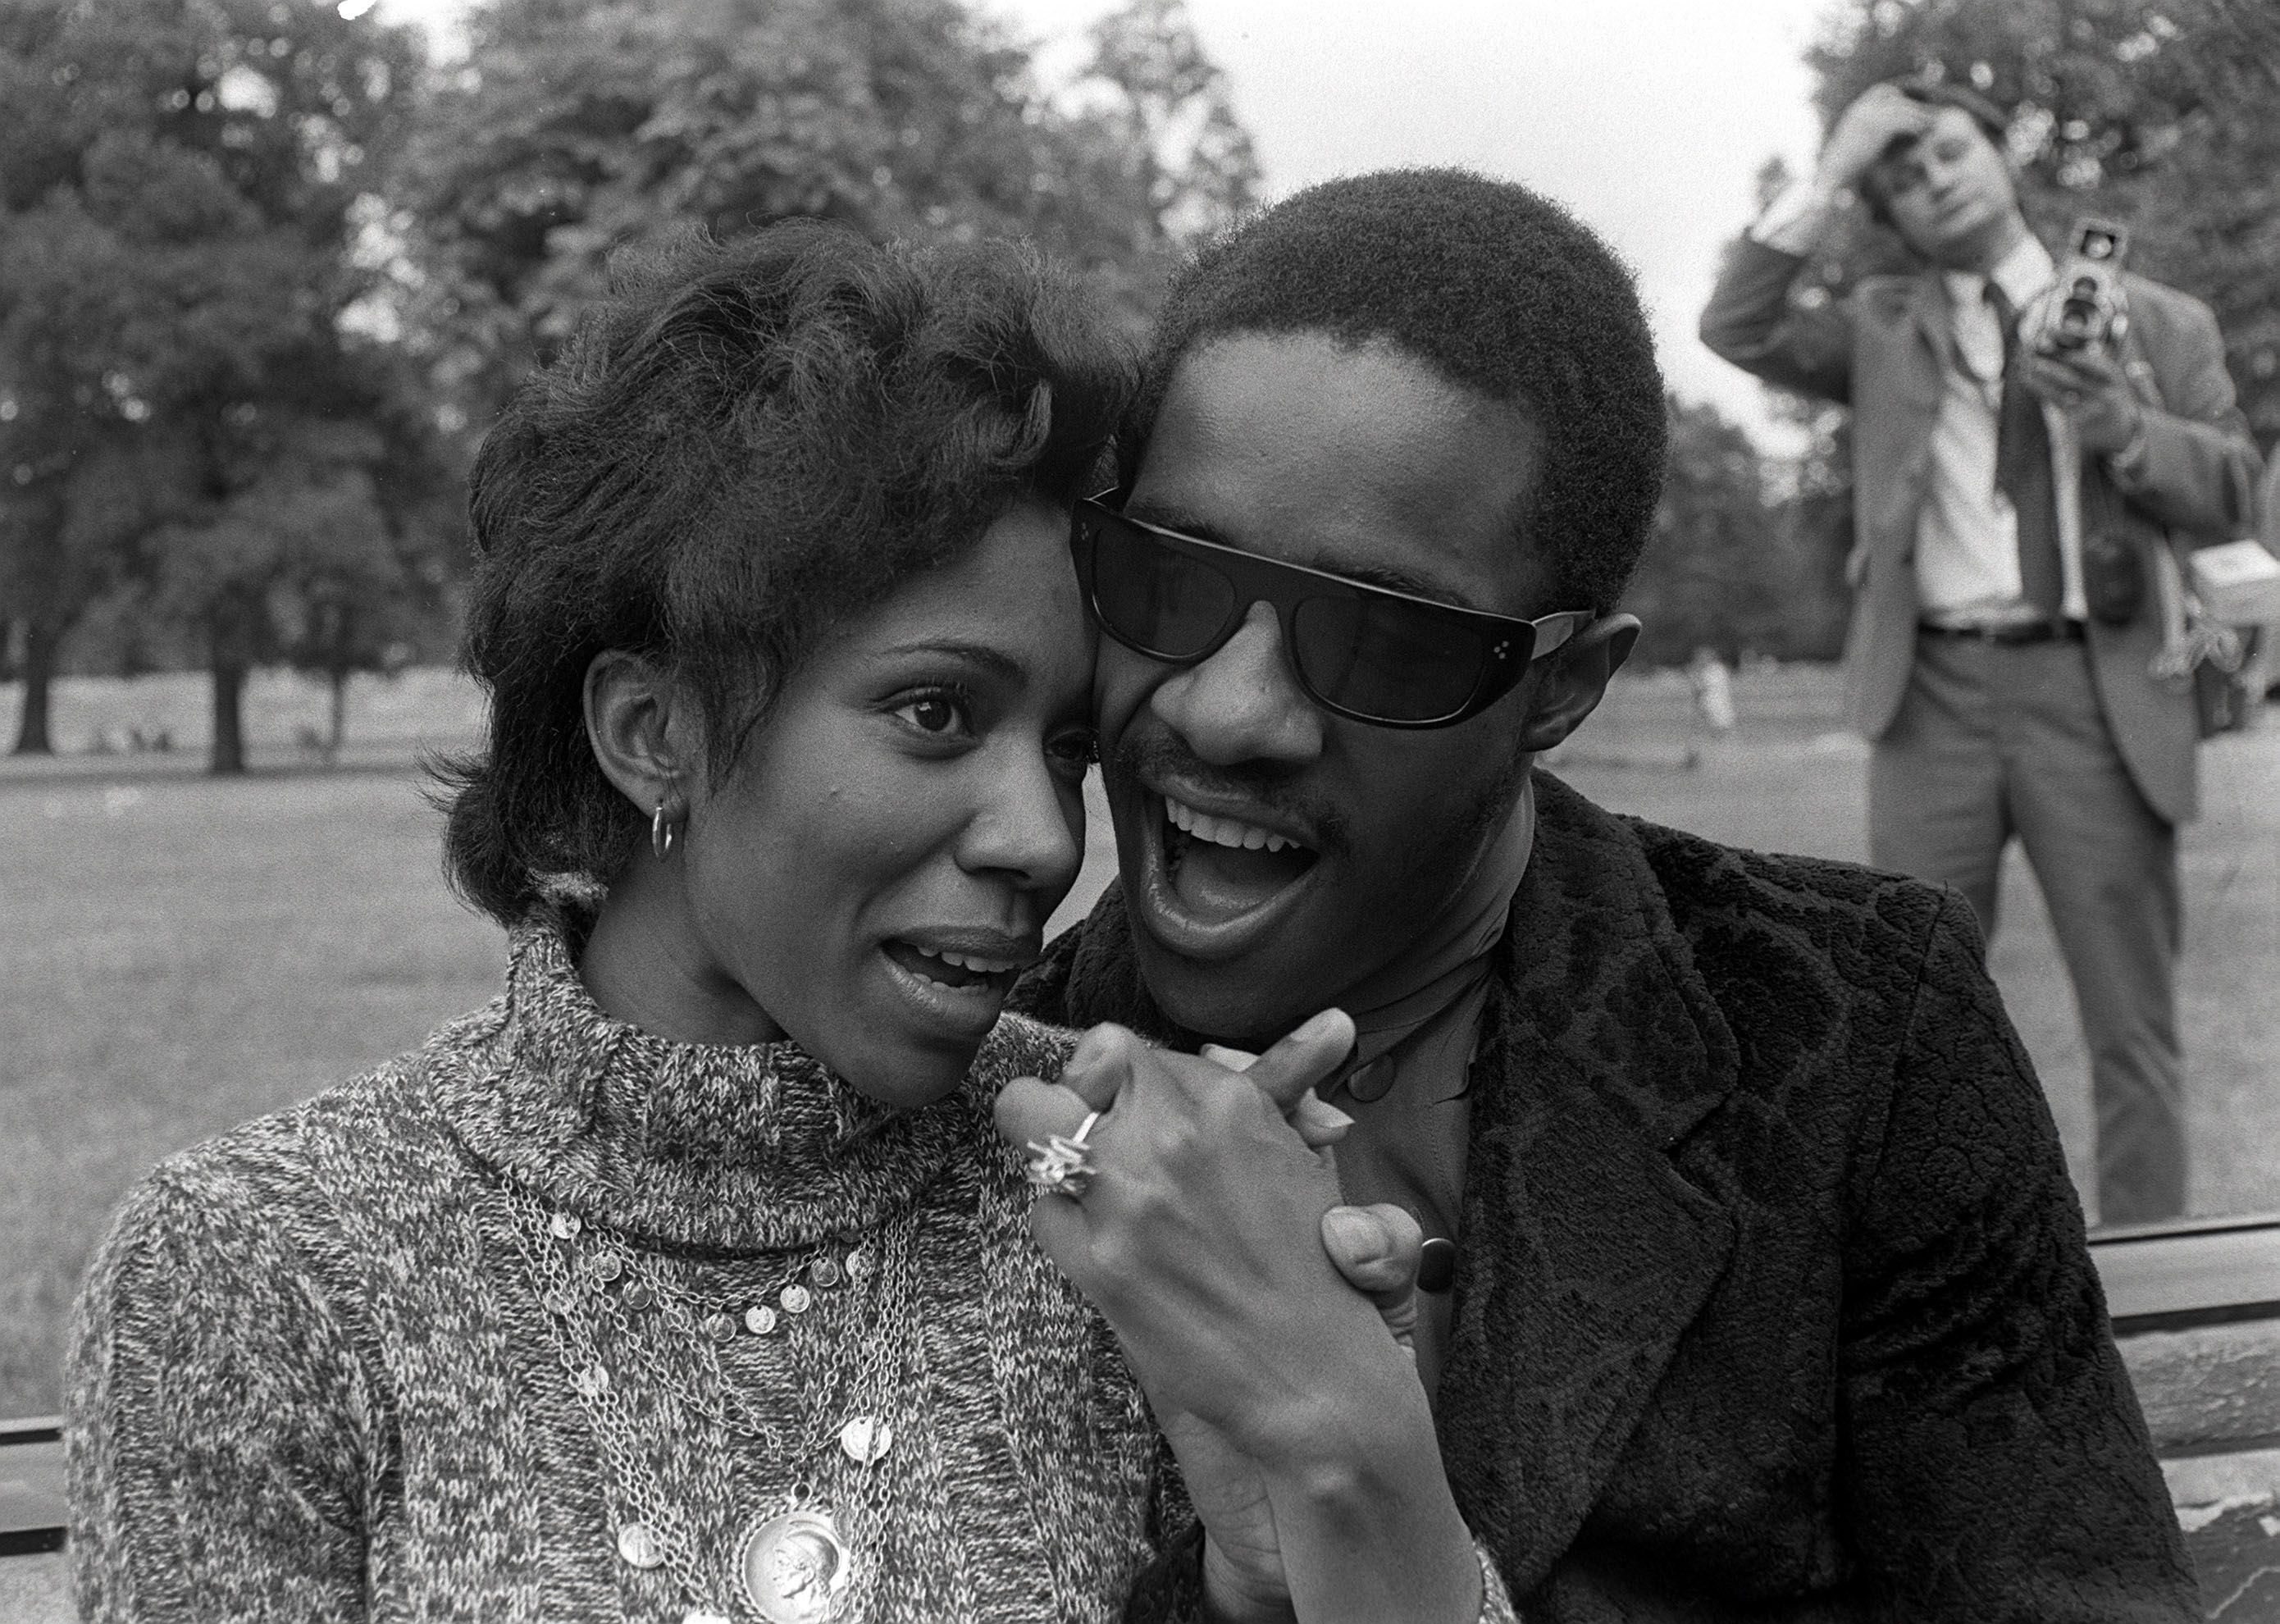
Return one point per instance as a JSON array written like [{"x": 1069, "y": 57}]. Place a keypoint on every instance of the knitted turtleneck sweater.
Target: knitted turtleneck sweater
[{"x": 339, "y": 1362}]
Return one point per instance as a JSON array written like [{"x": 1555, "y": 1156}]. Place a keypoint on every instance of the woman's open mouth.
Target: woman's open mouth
[{"x": 956, "y": 970}]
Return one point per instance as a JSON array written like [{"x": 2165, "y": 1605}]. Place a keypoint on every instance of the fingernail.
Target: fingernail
[
  {"x": 1359, "y": 1237},
  {"x": 1233, "y": 1059},
  {"x": 1322, "y": 1025},
  {"x": 1319, "y": 1109}
]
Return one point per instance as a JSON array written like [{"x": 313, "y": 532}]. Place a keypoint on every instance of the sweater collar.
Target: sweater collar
[{"x": 727, "y": 1147}]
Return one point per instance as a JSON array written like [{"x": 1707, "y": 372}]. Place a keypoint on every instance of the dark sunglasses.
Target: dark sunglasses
[{"x": 1367, "y": 652}]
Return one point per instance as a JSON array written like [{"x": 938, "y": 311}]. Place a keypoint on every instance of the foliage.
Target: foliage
[
  {"x": 2164, "y": 114},
  {"x": 187, "y": 421},
  {"x": 1728, "y": 566},
  {"x": 578, "y": 126}
]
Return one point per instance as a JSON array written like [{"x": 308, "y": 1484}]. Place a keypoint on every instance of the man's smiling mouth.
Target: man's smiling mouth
[{"x": 1219, "y": 867}]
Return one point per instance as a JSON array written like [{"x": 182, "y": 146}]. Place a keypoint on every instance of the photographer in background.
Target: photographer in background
[{"x": 2010, "y": 497}]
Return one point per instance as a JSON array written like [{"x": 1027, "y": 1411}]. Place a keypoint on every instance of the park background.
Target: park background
[{"x": 267, "y": 267}]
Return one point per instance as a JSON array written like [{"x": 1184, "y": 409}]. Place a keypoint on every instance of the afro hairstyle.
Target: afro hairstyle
[{"x": 1500, "y": 290}]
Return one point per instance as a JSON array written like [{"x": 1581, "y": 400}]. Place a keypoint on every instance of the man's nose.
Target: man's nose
[{"x": 1243, "y": 703}]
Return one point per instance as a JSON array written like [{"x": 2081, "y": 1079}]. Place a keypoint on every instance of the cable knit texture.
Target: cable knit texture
[
  {"x": 1772, "y": 1300},
  {"x": 313, "y": 1377}
]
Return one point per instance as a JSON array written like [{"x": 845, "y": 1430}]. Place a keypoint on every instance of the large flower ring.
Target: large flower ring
[{"x": 1059, "y": 1167}]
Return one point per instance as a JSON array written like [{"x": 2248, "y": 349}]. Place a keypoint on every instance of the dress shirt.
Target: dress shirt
[
  {"x": 1966, "y": 556},
  {"x": 1417, "y": 1026}
]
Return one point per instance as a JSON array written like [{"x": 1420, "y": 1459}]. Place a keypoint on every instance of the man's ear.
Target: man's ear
[
  {"x": 642, "y": 732},
  {"x": 1576, "y": 678}
]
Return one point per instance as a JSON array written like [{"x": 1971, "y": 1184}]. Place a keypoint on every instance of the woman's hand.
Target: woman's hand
[{"x": 1204, "y": 1238}]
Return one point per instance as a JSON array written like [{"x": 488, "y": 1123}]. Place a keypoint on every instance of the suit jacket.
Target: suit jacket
[
  {"x": 1772, "y": 1300},
  {"x": 1879, "y": 350}
]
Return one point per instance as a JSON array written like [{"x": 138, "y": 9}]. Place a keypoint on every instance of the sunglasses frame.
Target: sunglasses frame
[{"x": 1515, "y": 643}]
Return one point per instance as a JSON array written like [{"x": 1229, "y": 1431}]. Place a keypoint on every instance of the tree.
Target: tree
[
  {"x": 183, "y": 193},
  {"x": 580, "y": 125},
  {"x": 1727, "y": 566},
  {"x": 2164, "y": 114}
]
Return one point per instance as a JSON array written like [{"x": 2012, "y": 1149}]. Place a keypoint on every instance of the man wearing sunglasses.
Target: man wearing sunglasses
[{"x": 1753, "y": 1282}]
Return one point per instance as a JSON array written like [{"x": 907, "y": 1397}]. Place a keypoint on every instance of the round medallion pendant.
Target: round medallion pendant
[
  {"x": 866, "y": 1438},
  {"x": 639, "y": 1545},
  {"x": 795, "y": 1569}
]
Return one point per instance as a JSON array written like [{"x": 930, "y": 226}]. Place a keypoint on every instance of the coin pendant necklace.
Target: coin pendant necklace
[{"x": 795, "y": 1563}]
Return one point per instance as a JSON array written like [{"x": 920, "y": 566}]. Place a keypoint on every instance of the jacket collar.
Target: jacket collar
[{"x": 1601, "y": 1050}]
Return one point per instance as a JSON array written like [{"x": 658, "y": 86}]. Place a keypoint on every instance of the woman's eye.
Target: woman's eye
[{"x": 937, "y": 713}]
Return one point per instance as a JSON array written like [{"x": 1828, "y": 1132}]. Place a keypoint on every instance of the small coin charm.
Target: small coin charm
[
  {"x": 607, "y": 1266},
  {"x": 858, "y": 1263},
  {"x": 720, "y": 1327},
  {"x": 795, "y": 1567},
  {"x": 592, "y": 1382},
  {"x": 866, "y": 1438},
  {"x": 825, "y": 1271},
  {"x": 796, "y": 1299},
  {"x": 760, "y": 1319},
  {"x": 564, "y": 1226},
  {"x": 639, "y": 1295},
  {"x": 560, "y": 1301},
  {"x": 639, "y": 1545}
]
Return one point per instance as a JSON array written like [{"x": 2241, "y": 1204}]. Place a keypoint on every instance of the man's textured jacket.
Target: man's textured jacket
[{"x": 1772, "y": 1300}]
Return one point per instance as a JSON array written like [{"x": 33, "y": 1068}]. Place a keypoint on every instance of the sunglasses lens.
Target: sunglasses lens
[
  {"x": 1386, "y": 660},
  {"x": 1162, "y": 602}
]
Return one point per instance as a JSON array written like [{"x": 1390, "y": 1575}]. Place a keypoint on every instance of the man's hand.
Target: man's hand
[
  {"x": 1881, "y": 115},
  {"x": 1207, "y": 1239},
  {"x": 2090, "y": 387},
  {"x": 1378, "y": 1248}
]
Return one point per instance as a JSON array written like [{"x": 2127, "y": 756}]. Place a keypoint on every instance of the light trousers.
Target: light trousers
[{"x": 1992, "y": 741}]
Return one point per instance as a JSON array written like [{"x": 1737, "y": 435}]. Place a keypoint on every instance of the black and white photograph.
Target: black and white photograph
[{"x": 1140, "y": 811}]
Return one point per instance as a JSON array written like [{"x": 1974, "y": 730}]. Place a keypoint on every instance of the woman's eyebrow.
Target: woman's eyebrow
[{"x": 987, "y": 655}]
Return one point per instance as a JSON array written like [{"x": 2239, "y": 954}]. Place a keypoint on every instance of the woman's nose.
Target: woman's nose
[{"x": 1029, "y": 822}]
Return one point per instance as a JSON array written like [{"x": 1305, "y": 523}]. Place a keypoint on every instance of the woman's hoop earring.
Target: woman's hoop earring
[{"x": 661, "y": 832}]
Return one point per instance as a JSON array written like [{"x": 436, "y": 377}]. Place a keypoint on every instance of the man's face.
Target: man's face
[
  {"x": 1366, "y": 463},
  {"x": 1949, "y": 192}
]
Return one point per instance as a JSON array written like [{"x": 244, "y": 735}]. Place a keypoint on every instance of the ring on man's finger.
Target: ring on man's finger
[{"x": 1060, "y": 1166}]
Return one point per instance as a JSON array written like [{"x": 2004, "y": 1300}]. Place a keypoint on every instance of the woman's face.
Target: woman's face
[{"x": 881, "y": 863}]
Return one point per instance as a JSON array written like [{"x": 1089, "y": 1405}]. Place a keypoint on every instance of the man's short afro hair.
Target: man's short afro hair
[{"x": 1500, "y": 289}]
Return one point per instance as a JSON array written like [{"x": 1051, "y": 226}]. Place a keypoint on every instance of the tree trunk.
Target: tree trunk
[
  {"x": 40, "y": 645},
  {"x": 340, "y": 716},
  {"x": 229, "y": 717}
]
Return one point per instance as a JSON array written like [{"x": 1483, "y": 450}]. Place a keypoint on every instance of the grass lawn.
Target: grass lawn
[{"x": 183, "y": 953}]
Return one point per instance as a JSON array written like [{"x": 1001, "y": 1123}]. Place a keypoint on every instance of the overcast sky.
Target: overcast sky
[{"x": 1648, "y": 118}]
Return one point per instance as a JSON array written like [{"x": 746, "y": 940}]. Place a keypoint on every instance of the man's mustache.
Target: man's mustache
[{"x": 1271, "y": 786}]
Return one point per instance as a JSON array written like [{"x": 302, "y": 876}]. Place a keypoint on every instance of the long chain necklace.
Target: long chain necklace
[{"x": 796, "y": 1564}]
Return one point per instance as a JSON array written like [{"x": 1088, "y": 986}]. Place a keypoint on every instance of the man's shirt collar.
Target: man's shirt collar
[{"x": 2025, "y": 274}]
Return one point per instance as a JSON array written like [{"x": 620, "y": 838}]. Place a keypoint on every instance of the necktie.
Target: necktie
[{"x": 2022, "y": 469}]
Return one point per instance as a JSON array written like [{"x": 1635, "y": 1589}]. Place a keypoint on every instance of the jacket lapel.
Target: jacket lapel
[{"x": 1585, "y": 1252}]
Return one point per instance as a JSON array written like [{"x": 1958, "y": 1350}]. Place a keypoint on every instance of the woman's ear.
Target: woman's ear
[
  {"x": 1576, "y": 679},
  {"x": 642, "y": 732}
]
